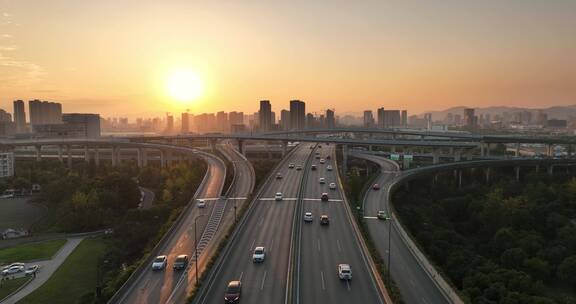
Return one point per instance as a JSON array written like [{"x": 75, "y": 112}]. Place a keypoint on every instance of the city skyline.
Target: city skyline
[{"x": 420, "y": 57}]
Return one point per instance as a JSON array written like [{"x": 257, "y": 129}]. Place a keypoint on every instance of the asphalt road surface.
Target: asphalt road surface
[
  {"x": 414, "y": 283},
  {"x": 156, "y": 286},
  {"x": 323, "y": 247},
  {"x": 269, "y": 225}
]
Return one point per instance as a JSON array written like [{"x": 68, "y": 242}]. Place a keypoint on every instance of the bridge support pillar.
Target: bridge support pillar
[
  {"x": 370, "y": 148},
  {"x": 144, "y": 156},
  {"x": 549, "y": 150},
  {"x": 488, "y": 149},
  {"x": 517, "y": 152},
  {"x": 551, "y": 170},
  {"x": 69, "y": 155},
  {"x": 457, "y": 155},
  {"x": 517, "y": 172},
  {"x": 393, "y": 149},
  {"x": 487, "y": 173},
  {"x": 569, "y": 148},
  {"x": 284, "y": 148},
  {"x": 114, "y": 156},
  {"x": 96, "y": 156},
  {"x": 86, "y": 154},
  {"x": 435, "y": 156},
  {"x": 268, "y": 151},
  {"x": 344, "y": 160},
  {"x": 162, "y": 159},
  {"x": 139, "y": 154},
  {"x": 482, "y": 148},
  {"x": 60, "y": 153},
  {"x": 38, "y": 153},
  {"x": 459, "y": 178},
  {"x": 241, "y": 147},
  {"x": 213, "y": 145}
]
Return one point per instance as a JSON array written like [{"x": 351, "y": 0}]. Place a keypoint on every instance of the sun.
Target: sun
[{"x": 184, "y": 85}]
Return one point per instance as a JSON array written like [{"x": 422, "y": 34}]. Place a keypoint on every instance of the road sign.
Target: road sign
[
  {"x": 408, "y": 157},
  {"x": 395, "y": 156}
]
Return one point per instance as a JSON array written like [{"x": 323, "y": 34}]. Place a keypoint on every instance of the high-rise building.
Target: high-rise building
[
  {"x": 310, "y": 121},
  {"x": 330, "y": 120},
  {"x": 391, "y": 118},
  {"x": 222, "y": 121},
  {"x": 469, "y": 118},
  {"x": 368, "y": 119},
  {"x": 19, "y": 116},
  {"x": 185, "y": 122},
  {"x": 265, "y": 115},
  {"x": 89, "y": 123},
  {"x": 285, "y": 120},
  {"x": 404, "y": 119},
  {"x": 236, "y": 119},
  {"x": 428, "y": 120},
  {"x": 169, "y": 123},
  {"x": 380, "y": 114},
  {"x": 44, "y": 112},
  {"x": 297, "y": 115}
]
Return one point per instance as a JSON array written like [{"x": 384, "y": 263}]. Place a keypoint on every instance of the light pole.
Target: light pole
[
  {"x": 389, "y": 220},
  {"x": 196, "y": 246}
]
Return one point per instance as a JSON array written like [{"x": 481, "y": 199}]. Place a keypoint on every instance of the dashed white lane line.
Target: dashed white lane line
[
  {"x": 318, "y": 244},
  {"x": 263, "y": 280},
  {"x": 317, "y": 200},
  {"x": 273, "y": 199},
  {"x": 252, "y": 246},
  {"x": 241, "y": 275},
  {"x": 371, "y": 217},
  {"x": 338, "y": 245},
  {"x": 348, "y": 285},
  {"x": 271, "y": 246},
  {"x": 323, "y": 284}
]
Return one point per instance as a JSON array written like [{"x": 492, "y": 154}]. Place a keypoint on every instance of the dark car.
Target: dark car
[
  {"x": 313, "y": 167},
  {"x": 181, "y": 262},
  {"x": 233, "y": 292},
  {"x": 328, "y": 157},
  {"x": 324, "y": 197}
]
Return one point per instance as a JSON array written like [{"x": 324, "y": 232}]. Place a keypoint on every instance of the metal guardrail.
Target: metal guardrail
[
  {"x": 128, "y": 285},
  {"x": 293, "y": 274},
  {"x": 211, "y": 276},
  {"x": 367, "y": 257}
]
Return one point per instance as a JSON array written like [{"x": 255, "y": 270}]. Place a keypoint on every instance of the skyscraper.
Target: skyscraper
[
  {"x": 368, "y": 119},
  {"x": 222, "y": 121},
  {"x": 44, "y": 112},
  {"x": 330, "y": 120},
  {"x": 404, "y": 120},
  {"x": 391, "y": 118},
  {"x": 19, "y": 116},
  {"x": 297, "y": 115},
  {"x": 285, "y": 120},
  {"x": 380, "y": 118},
  {"x": 185, "y": 123},
  {"x": 469, "y": 119},
  {"x": 265, "y": 115}
]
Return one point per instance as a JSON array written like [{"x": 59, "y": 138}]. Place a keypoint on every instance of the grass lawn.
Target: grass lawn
[
  {"x": 7, "y": 287},
  {"x": 75, "y": 277},
  {"x": 28, "y": 252}
]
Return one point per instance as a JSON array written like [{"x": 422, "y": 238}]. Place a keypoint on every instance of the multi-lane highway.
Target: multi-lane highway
[
  {"x": 157, "y": 286},
  {"x": 323, "y": 247},
  {"x": 414, "y": 283},
  {"x": 268, "y": 224}
]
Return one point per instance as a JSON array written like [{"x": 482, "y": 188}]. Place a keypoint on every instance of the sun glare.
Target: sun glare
[{"x": 184, "y": 85}]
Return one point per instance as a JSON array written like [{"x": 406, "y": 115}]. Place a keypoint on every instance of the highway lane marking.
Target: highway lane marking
[
  {"x": 317, "y": 199},
  {"x": 322, "y": 276},
  {"x": 371, "y": 217},
  {"x": 272, "y": 246},
  {"x": 261, "y": 222},
  {"x": 348, "y": 284},
  {"x": 338, "y": 244},
  {"x": 263, "y": 280},
  {"x": 273, "y": 199},
  {"x": 318, "y": 244},
  {"x": 240, "y": 278},
  {"x": 252, "y": 247}
]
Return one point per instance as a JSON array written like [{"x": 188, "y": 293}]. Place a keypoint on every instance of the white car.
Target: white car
[
  {"x": 160, "y": 262},
  {"x": 322, "y": 161},
  {"x": 344, "y": 272},
  {"x": 322, "y": 180},
  {"x": 12, "y": 265},
  {"x": 278, "y": 196},
  {"x": 308, "y": 217},
  {"x": 278, "y": 175},
  {"x": 329, "y": 168},
  {"x": 291, "y": 166},
  {"x": 31, "y": 270},
  {"x": 259, "y": 255},
  {"x": 13, "y": 270},
  {"x": 332, "y": 186},
  {"x": 201, "y": 204}
]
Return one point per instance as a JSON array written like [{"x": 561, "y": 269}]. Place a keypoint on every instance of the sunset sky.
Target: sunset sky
[{"x": 115, "y": 57}]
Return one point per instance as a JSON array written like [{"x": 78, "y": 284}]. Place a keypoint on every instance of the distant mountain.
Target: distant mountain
[{"x": 555, "y": 112}]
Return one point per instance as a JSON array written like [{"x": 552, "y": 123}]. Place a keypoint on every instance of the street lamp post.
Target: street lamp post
[{"x": 196, "y": 245}]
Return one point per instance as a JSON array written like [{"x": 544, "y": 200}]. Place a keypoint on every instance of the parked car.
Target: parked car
[
  {"x": 12, "y": 265},
  {"x": 259, "y": 255},
  {"x": 324, "y": 220},
  {"x": 344, "y": 272},
  {"x": 233, "y": 292},
  {"x": 181, "y": 262},
  {"x": 31, "y": 270},
  {"x": 324, "y": 197},
  {"x": 308, "y": 217},
  {"x": 13, "y": 270},
  {"x": 201, "y": 204},
  {"x": 160, "y": 262},
  {"x": 278, "y": 196},
  {"x": 332, "y": 186}
]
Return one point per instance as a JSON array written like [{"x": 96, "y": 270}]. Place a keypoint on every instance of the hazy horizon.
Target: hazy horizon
[{"x": 112, "y": 57}]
